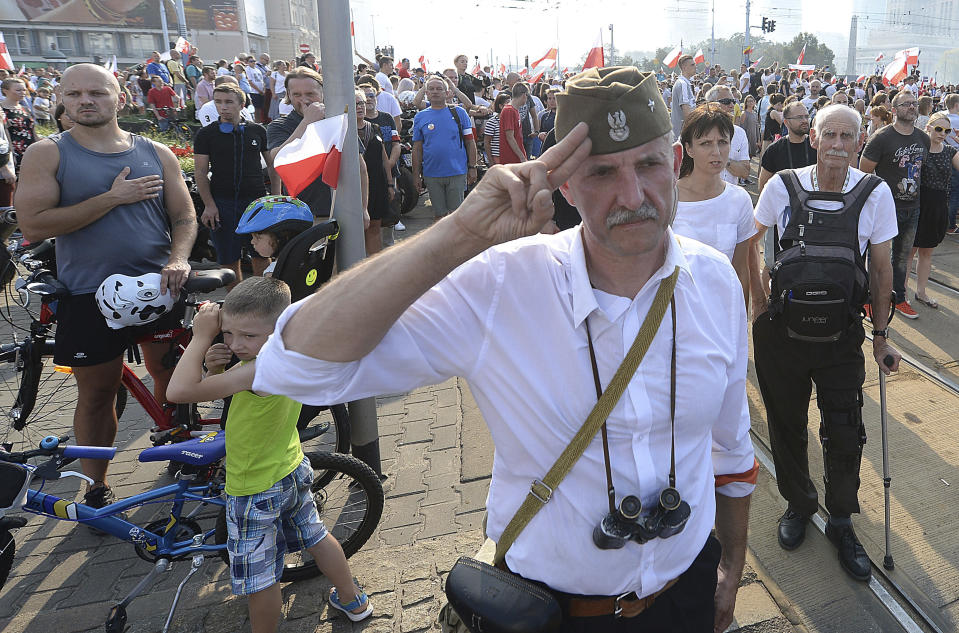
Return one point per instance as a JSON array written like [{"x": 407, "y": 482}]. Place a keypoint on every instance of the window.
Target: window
[
  {"x": 141, "y": 44},
  {"x": 59, "y": 40},
  {"x": 100, "y": 43},
  {"x": 22, "y": 44}
]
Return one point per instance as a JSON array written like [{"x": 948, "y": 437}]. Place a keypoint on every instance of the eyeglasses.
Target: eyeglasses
[
  {"x": 801, "y": 117},
  {"x": 943, "y": 129},
  {"x": 908, "y": 104},
  {"x": 370, "y": 95},
  {"x": 726, "y": 101}
]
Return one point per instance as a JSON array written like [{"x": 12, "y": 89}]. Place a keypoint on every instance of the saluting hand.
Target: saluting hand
[{"x": 513, "y": 201}]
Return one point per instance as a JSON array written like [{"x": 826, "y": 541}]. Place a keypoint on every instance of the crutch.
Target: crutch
[{"x": 886, "y": 479}]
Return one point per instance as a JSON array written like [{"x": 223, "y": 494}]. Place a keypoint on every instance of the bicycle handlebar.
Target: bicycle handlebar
[{"x": 52, "y": 445}]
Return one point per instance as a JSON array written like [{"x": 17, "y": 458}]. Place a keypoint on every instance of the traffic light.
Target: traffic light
[
  {"x": 765, "y": 25},
  {"x": 772, "y": 26}
]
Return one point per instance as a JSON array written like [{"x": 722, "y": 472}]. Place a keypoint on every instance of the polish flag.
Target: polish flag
[
  {"x": 476, "y": 69},
  {"x": 182, "y": 46},
  {"x": 502, "y": 69},
  {"x": 316, "y": 152},
  {"x": 549, "y": 58},
  {"x": 802, "y": 54},
  {"x": 6, "y": 62},
  {"x": 755, "y": 64},
  {"x": 524, "y": 72},
  {"x": 23, "y": 70},
  {"x": 700, "y": 58},
  {"x": 880, "y": 56},
  {"x": 911, "y": 55},
  {"x": 860, "y": 79},
  {"x": 594, "y": 58},
  {"x": 566, "y": 71},
  {"x": 535, "y": 78},
  {"x": 673, "y": 57},
  {"x": 424, "y": 62},
  {"x": 896, "y": 71}
]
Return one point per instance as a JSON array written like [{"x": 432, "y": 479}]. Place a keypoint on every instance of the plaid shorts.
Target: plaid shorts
[{"x": 262, "y": 528}]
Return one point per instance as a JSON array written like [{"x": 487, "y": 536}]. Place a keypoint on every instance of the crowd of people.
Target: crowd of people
[{"x": 654, "y": 193}]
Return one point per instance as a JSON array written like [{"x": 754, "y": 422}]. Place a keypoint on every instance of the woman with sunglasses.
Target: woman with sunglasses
[
  {"x": 933, "y": 202},
  {"x": 710, "y": 209}
]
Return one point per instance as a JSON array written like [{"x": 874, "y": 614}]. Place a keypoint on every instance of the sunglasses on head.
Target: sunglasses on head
[{"x": 942, "y": 129}]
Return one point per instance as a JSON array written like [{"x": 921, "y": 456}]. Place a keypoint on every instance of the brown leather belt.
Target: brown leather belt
[{"x": 625, "y": 606}]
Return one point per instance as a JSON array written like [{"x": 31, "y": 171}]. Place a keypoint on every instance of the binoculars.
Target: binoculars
[{"x": 627, "y": 522}]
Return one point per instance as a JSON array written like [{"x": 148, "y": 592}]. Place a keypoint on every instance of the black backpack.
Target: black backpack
[{"x": 819, "y": 280}]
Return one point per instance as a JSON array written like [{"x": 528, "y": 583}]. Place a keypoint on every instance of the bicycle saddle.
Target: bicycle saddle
[
  {"x": 208, "y": 280},
  {"x": 199, "y": 451}
]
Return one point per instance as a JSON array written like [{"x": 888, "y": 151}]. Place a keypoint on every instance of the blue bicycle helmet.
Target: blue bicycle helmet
[{"x": 275, "y": 213}]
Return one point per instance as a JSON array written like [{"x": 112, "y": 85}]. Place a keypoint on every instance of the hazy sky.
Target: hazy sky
[{"x": 441, "y": 29}]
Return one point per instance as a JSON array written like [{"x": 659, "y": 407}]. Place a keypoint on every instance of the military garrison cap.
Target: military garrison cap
[{"x": 622, "y": 106}]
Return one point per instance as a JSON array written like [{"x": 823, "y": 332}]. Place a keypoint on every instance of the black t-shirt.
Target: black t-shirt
[
  {"x": 386, "y": 125},
  {"x": 318, "y": 196},
  {"x": 564, "y": 214},
  {"x": 234, "y": 158},
  {"x": 786, "y": 155},
  {"x": 899, "y": 159},
  {"x": 467, "y": 87}
]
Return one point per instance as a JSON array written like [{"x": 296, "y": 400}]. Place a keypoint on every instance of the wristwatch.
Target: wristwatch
[{"x": 882, "y": 333}]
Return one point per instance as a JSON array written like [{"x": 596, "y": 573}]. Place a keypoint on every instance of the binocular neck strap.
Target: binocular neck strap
[{"x": 610, "y": 490}]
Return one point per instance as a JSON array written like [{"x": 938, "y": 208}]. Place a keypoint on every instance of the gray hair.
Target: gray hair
[
  {"x": 836, "y": 109},
  {"x": 713, "y": 94}
]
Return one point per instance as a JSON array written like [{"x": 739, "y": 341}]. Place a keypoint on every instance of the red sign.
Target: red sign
[{"x": 304, "y": 48}]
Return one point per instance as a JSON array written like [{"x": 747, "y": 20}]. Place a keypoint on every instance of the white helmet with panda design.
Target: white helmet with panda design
[{"x": 128, "y": 301}]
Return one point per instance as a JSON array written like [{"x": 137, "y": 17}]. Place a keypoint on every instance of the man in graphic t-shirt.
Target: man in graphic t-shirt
[{"x": 896, "y": 153}]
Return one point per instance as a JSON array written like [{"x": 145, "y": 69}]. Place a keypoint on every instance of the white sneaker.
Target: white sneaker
[{"x": 399, "y": 227}]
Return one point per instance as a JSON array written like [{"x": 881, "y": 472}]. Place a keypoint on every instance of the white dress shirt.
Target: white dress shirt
[{"x": 511, "y": 321}]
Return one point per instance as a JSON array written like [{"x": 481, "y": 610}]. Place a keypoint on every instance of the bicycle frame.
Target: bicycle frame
[{"x": 157, "y": 544}]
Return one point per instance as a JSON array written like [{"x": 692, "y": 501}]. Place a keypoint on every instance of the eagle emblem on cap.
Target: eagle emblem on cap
[{"x": 618, "y": 130}]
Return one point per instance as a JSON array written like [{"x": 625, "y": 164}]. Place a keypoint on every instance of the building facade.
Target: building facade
[{"x": 62, "y": 32}]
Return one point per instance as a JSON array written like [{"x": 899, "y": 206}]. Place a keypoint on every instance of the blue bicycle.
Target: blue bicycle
[{"x": 348, "y": 496}]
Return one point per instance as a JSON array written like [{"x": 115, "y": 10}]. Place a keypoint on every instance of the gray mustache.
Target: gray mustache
[{"x": 625, "y": 216}]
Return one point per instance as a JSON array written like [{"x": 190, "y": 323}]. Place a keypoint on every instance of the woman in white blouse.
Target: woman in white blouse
[
  {"x": 711, "y": 210},
  {"x": 277, "y": 82}
]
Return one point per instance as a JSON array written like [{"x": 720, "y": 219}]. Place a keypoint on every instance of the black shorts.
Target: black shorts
[{"x": 83, "y": 337}]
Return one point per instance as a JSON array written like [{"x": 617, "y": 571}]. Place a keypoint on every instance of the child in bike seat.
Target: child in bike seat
[
  {"x": 270, "y": 507},
  {"x": 272, "y": 221}
]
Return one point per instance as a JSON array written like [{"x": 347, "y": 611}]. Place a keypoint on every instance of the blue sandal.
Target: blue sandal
[{"x": 360, "y": 600}]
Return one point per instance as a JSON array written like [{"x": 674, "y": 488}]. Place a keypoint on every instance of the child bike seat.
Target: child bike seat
[{"x": 199, "y": 451}]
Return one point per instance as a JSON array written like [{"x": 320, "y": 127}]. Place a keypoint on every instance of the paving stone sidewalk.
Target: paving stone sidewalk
[{"x": 438, "y": 456}]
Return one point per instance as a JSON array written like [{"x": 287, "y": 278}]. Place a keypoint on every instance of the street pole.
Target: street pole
[
  {"x": 746, "y": 45},
  {"x": 244, "y": 34},
  {"x": 712, "y": 38},
  {"x": 180, "y": 18},
  {"x": 612, "y": 49},
  {"x": 164, "y": 27},
  {"x": 338, "y": 89}
]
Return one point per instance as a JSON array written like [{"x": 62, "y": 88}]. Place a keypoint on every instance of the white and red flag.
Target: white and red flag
[
  {"x": 673, "y": 57},
  {"x": 548, "y": 60},
  {"x": 182, "y": 46},
  {"x": 502, "y": 69},
  {"x": 860, "y": 79},
  {"x": 755, "y": 64},
  {"x": 566, "y": 71},
  {"x": 911, "y": 55},
  {"x": 524, "y": 72},
  {"x": 594, "y": 58},
  {"x": 6, "y": 62},
  {"x": 802, "y": 55},
  {"x": 699, "y": 58},
  {"x": 23, "y": 71},
  {"x": 896, "y": 71},
  {"x": 880, "y": 56},
  {"x": 315, "y": 153},
  {"x": 476, "y": 69},
  {"x": 424, "y": 63}
]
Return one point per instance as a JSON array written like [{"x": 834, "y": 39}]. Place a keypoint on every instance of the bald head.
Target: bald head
[{"x": 87, "y": 74}]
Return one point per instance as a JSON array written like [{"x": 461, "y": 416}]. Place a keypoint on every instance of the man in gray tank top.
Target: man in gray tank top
[{"x": 117, "y": 203}]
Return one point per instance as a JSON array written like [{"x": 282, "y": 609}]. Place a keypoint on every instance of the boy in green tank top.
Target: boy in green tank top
[{"x": 270, "y": 508}]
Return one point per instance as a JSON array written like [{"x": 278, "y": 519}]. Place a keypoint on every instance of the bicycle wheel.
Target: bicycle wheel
[
  {"x": 8, "y": 548},
  {"x": 324, "y": 429},
  {"x": 350, "y": 506}
]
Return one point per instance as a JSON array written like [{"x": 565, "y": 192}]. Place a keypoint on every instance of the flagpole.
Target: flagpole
[{"x": 338, "y": 88}]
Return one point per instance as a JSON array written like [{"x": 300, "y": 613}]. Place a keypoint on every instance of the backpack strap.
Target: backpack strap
[{"x": 459, "y": 124}]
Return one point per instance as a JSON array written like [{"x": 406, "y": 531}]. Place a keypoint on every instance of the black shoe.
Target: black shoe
[
  {"x": 852, "y": 556},
  {"x": 98, "y": 497},
  {"x": 792, "y": 529}
]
